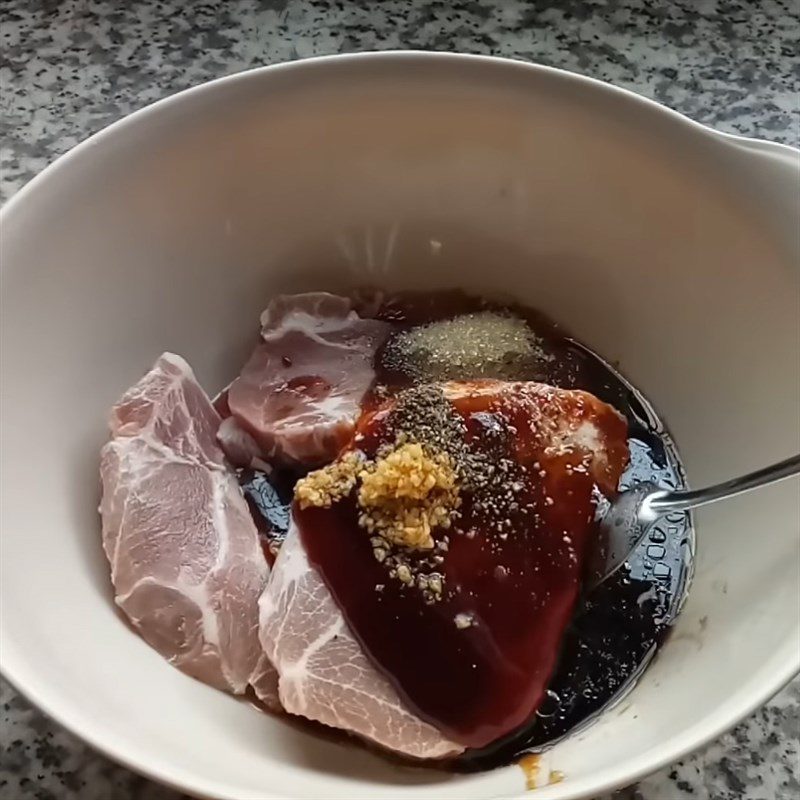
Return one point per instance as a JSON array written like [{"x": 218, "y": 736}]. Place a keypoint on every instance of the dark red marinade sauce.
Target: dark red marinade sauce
[
  {"x": 512, "y": 565},
  {"x": 539, "y": 644}
]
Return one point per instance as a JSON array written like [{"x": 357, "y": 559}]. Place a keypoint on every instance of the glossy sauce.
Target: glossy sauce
[
  {"x": 512, "y": 565},
  {"x": 469, "y": 681}
]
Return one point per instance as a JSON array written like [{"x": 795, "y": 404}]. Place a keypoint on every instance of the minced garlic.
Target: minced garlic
[
  {"x": 403, "y": 495},
  {"x": 406, "y": 493},
  {"x": 326, "y": 486},
  {"x": 406, "y": 472}
]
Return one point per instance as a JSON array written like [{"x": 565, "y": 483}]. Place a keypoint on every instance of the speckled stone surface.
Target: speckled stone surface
[{"x": 67, "y": 69}]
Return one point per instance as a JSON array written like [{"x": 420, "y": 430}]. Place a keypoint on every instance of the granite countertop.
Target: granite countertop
[{"x": 70, "y": 68}]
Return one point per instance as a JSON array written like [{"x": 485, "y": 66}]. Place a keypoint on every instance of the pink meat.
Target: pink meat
[
  {"x": 241, "y": 449},
  {"x": 300, "y": 393},
  {"x": 324, "y": 673},
  {"x": 186, "y": 562}
]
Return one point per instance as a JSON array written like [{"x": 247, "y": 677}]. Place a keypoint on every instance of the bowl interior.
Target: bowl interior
[{"x": 629, "y": 225}]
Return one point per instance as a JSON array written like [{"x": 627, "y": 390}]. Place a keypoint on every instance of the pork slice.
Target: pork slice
[
  {"x": 240, "y": 448},
  {"x": 558, "y": 422},
  {"x": 264, "y": 681},
  {"x": 323, "y": 673},
  {"x": 300, "y": 393},
  {"x": 186, "y": 562}
]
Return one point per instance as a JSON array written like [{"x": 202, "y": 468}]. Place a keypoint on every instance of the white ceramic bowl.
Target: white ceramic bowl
[{"x": 659, "y": 242}]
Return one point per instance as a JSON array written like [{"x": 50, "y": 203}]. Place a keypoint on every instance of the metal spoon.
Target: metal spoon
[{"x": 625, "y": 521}]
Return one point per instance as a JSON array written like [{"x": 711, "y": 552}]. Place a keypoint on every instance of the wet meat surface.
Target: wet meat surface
[
  {"x": 476, "y": 662},
  {"x": 299, "y": 396},
  {"x": 186, "y": 563}
]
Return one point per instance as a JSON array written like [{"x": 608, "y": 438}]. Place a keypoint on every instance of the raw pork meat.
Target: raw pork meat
[
  {"x": 324, "y": 674},
  {"x": 186, "y": 562},
  {"x": 300, "y": 393},
  {"x": 476, "y": 661},
  {"x": 559, "y": 422},
  {"x": 239, "y": 446}
]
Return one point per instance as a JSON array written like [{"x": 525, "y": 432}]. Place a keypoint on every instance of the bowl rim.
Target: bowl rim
[{"x": 45, "y": 696}]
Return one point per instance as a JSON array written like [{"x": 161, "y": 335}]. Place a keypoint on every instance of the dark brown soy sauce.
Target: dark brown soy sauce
[
  {"x": 616, "y": 629},
  {"x": 269, "y": 499}
]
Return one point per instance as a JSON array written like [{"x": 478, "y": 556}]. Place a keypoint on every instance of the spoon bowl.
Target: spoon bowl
[{"x": 625, "y": 521}]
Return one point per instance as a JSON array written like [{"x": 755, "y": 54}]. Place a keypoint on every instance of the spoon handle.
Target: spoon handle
[{"x": 664, "y": 502}]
